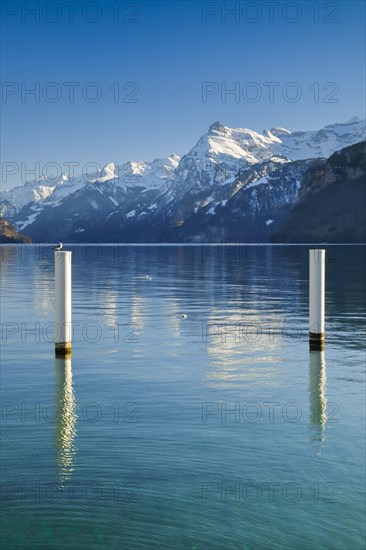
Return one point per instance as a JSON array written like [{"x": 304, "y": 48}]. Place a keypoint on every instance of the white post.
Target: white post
[
  {"x": 63, "y": 302},
  {"x": 316, "y": 299}
]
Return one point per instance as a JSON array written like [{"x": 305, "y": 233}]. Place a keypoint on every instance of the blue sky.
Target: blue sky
[{"x": 168, "y": 50}]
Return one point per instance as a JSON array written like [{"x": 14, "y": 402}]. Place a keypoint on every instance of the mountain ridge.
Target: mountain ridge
[{"x": 152, "y": 201}]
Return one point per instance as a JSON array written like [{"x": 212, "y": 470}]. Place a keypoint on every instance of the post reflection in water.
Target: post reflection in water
[
  {"x": 66, "y": 418},
  {"x": 318, "y": 400}
]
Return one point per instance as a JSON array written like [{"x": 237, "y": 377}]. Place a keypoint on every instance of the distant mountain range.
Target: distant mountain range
[{"x": 234, "y": 185}]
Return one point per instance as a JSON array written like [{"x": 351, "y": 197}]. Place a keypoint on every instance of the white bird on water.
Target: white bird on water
[{"x": 58, "y": 246}]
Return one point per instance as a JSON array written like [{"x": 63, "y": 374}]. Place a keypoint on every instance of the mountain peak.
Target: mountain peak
[
  {"x": 217, "y": 127},
  {"x": 279, "y": 131},
  {"x": 353, "y": 119}
]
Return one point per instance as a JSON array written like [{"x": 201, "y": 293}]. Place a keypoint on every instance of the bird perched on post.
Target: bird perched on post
[{"x": 58, "y": 246}]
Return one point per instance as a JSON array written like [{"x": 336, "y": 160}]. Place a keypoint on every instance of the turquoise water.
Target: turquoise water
[{"x": 214, "y": 430}]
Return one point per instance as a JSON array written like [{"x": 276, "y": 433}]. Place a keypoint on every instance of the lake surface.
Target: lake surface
[{"x": 214, "y": 430}]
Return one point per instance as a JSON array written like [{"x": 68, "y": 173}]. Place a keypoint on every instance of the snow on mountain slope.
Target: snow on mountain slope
[
  {"x": 173, "y": 188},
  {"x": 150, "y": 175},
  {"x": 321, "y": 143},
  {"x": 221, "y": 143},
  {"x": 37, "y": 192},
  {"x": 31, "y": 191},
  {"x": 216, "y": 159},
  {"x": 259, "y": 200},
  {"x": 222, "y": 152}
]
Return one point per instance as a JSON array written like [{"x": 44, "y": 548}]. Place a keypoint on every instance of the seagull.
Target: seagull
[{"x": 58, "y": 246}]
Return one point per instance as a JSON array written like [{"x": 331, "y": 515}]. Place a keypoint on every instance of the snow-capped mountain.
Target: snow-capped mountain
[
  {"x": 130, "y": 174},
  {"x": 171, "y": 198},
  {"x": 324, "y": 142}
]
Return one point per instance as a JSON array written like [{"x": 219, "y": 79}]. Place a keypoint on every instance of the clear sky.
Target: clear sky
[{"x": 168, "y": 51}]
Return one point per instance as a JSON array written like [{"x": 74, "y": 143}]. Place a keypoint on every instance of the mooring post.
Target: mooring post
[
  {"x": 63, "y": 302},
  {"x": 316, "y": 299}
]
